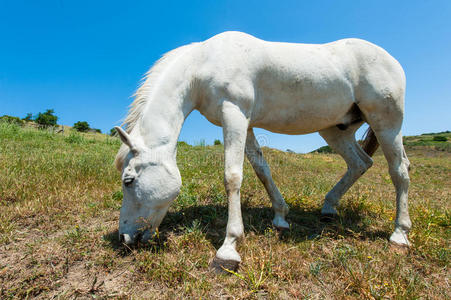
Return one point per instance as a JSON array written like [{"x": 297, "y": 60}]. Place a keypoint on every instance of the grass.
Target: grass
[
  {"x": 437, "y": 141},
  {"x": 59, "y": 205}
]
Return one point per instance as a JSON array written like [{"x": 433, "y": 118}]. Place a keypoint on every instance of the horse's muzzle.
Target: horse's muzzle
[
  {"x": 137, "y": 237},
  {"x": 126, "y": 239}
]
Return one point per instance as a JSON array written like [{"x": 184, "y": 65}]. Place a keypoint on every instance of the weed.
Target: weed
[{"x": 75, "y": 138}]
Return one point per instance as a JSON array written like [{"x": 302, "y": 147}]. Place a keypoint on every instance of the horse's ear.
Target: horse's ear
[{"x": 125, "y": 138}]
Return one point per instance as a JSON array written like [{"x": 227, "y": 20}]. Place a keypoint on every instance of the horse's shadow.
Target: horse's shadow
[{"x": 305, "y": 224}]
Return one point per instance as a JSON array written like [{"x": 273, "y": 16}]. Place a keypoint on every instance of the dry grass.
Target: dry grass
[{"x": 60, "y": 198}]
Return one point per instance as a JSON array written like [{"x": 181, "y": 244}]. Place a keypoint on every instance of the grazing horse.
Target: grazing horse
[{"x": 240, "y": 82}]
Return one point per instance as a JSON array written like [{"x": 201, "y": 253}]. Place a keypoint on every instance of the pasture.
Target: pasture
[{"x": 59, "y": 207}]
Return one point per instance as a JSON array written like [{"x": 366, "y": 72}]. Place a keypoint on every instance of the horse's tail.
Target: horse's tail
[{"x": 370, "y": 143}]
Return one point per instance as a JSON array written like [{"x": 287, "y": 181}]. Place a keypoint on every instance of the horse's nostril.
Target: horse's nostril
[
  {"x": 125, "y": 238},
  {"x": 138, "y": 236}
]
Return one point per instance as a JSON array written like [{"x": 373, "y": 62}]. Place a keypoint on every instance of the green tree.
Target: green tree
[
  {"x": 28, "y": 117},
  {"x": 47, "y": 118},
  {"x": 324, "y": 149},
  {"x": 113, "y": 132},
  {"x": 217, "y": 142},
  {"x": 81, "y": 126}
]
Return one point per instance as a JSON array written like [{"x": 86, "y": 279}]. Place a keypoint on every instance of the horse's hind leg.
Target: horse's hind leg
[
  {"x": 258, "y": 162},
  {"x": 382, "y": 104},
  {"x": 344, "y": 143},
  {"x": 235, "y": 126},
  {"x": 398, "y": 166}
]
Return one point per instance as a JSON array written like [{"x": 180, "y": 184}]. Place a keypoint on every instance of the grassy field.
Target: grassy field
[{"x": 59, "y": 206}]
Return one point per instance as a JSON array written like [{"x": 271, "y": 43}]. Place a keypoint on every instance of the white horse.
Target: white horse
[{"x": 239, "y": 82}]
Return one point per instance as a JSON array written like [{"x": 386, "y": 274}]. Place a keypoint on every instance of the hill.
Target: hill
[
  {"x": 440, "y": 141},
  {"x": 59, "y": 205}
]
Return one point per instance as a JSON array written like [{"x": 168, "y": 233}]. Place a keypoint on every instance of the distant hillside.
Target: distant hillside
[{"x": 439, "y": 141}]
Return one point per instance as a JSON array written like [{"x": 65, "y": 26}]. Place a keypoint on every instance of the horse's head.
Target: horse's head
[{"x": 150, "y": 183}]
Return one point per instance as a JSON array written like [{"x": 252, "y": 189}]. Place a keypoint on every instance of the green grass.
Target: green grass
[
  {"x": 438, "y": 141},
  {"x": 59, "y": 206}
]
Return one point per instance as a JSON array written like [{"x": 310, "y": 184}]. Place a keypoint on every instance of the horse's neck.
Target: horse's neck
[{"x": 168, "y": 106}]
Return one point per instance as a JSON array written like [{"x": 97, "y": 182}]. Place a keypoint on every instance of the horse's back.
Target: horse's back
[{"x": 296, "y": 88}]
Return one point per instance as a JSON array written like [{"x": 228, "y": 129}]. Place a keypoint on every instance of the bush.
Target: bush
[
  {"x": 28, "y": 117},
  {"x": 113, "y": 132},
  {"x": 11, "y": 120},
  {"x": 439, "y": 138},
  {"x": 46, "y": 119},
  {"x": 8, "y": 130},
  {"x": 74, "y": 138},
  {"x": 217, "y": 142},
  {"x": 81, "y": 126},
  {"x": 324, "y": 149}
]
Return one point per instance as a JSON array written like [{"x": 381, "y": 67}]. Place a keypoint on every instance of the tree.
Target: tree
[
  {"x": 81, "y": 126},
  {"x": 217, "y": 142},
  {"x": 113, "y": 132},
  {"x": 28, "y": 117},
  {"x": 324, "y": 149},
  {"x": 47, "y": 119}
]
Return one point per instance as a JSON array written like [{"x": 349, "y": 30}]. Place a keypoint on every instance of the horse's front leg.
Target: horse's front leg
[
  {"x": 255, "y": 155},
  {"x": 234, "y": 125}
]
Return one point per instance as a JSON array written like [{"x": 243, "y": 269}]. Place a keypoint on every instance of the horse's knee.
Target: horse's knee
[{"x": 232, "y": 180}]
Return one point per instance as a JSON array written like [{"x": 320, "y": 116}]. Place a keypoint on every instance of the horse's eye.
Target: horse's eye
[{"x": 128, "y": 180}]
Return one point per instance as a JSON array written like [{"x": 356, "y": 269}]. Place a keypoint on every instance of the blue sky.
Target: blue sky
[{"x": 85, "y": 58}]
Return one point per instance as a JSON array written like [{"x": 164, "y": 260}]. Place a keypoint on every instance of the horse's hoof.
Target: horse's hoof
[
  {"x": 328, "y": 218},
  {"x": 280, "y": 223},
  {"x": 227, "y": 259},
  {"x": 224, "y": 266},
  {"x": 399, "y": 238}
]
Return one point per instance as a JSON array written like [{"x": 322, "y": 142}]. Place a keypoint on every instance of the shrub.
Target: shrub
[
  {"x": 74, "y": 138},
  {"x": 113, "y": 132},
  {"x": 7, "y": 131},
  {"x": 47, "y": 118},
  {"x": 217, "y": 142},
  {"x": 324, "y": 149},
  {"x": 81, "y": 126},
  {"x": 439, "y": 138},
  {"x": 28, "y": 117},
  {"x": 11, "y": 120}
]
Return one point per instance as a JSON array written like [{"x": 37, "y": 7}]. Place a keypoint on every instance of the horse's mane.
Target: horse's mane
[{"x": 142, "y": 96}]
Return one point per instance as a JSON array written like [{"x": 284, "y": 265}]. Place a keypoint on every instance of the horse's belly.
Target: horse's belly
[
  {"x": 300, "y": 121},
  {"x": 303, "y": 105}
]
